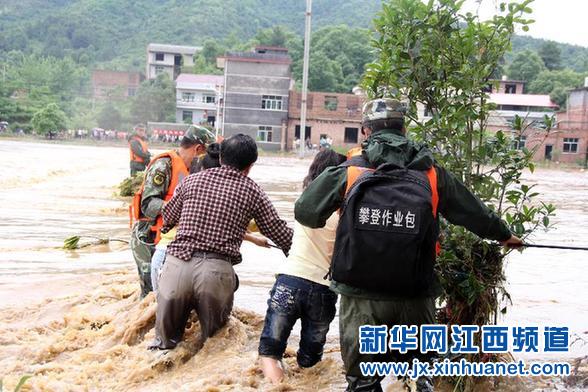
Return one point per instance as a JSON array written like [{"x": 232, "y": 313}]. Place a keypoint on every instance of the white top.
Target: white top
[{"x": 311, "y": 251}]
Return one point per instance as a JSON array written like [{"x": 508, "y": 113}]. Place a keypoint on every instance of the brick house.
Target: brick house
[
  {"x": 115, "y": 84},
  {"x": 333, "y": 115}
]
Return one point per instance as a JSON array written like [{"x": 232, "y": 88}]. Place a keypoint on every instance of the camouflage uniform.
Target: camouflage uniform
[{"x": 155, "y": 187}]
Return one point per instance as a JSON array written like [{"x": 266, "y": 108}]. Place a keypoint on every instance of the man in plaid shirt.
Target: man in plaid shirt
[{"x": 212, "y": 210}]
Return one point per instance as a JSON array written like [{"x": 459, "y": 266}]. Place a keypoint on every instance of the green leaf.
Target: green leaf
[{"x": 20, "y": 384}]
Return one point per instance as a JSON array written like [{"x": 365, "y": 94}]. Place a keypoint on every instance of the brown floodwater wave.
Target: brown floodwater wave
[{"x": 76, "y": 343}]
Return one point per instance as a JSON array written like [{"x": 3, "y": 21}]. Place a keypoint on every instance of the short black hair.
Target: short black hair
[
  {"x": 238, "y": 151},
  {"x": 210, "y": 160},
  {"x": 395, "y": 124}
]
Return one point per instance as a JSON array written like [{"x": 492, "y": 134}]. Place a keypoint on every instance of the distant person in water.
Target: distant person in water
[
  {"x": 140, "y": 155},
  {"x": 300, "y": 290}
]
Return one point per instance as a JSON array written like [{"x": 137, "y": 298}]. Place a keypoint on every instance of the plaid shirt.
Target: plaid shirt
[{"x": 213, "y": 208}]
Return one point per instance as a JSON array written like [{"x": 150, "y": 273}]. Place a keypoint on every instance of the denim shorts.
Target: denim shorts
[
  {"x": 294, "y": 298},
  {"x": 157, "y": 262}
]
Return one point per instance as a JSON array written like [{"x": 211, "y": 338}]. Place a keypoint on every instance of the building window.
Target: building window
[
  {"x": 132, "y": 91},
  {"x": 487, "y": 88},
  {"x": 208, "y": 99},
  {"x": 271, "y": 102},
  {"x": 518, "y": 143},
  {"x": 265, "y": 134},
  {"x": 351, "y": 135},
  {"x": 570, "y": 145},
  {"x": 159, "y": 56},
  {"x": 159, "y": 69},
  {"x": 510, "y": 88},
  {"x": 211, "y": 120},
  {"x": 187, "y": 115},
  {"x": 297, "y": 131},
  {"x": 331, "y": 103},
  {"x": 188, "y": 97}
]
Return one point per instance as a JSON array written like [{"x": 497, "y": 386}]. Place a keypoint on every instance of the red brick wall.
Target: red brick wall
[
  {"x": 322, "y": 120},
  {"x": 105, "y": 82}
]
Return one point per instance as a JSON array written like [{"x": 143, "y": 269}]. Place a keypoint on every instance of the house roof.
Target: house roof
[
  {"x": 274, "y": 48},
  {"x": 196, "y": 81},
  {"x": 173, "y": 48},
  {"x": 534, "y": 100}
]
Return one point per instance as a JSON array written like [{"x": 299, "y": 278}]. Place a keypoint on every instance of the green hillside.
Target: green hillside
[{"x": 104, "y": 30}]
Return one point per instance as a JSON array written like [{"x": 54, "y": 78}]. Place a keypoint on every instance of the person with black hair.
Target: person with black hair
[
  {"x": 300, "y": 292},
  {"x": 208, "y": 161},
  {"x": 212, "y": 210}
]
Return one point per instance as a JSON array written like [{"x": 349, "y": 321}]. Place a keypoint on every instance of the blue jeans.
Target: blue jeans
[
  {"x": 294, "y": 298},
  {"x": 156, "y": 265}
]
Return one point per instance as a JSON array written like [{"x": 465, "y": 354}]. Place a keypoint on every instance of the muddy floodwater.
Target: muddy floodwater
[{"x": 72, "y": 319}]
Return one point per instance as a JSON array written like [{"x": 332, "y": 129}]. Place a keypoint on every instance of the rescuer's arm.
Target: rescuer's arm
[
  {"x": 157, "y": 179},
  {"x": 173, "y": 209},
  {"x": 138, "y": 150},
  {"x": 461, "y": 207},
  {"x": 271, "y": 225},
  {"x": 321, "y": 198}
]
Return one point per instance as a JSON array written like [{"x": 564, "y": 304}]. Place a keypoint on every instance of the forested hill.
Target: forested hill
[{"x": 102, "y": 30}]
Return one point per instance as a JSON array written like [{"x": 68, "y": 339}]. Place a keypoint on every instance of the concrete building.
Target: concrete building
[
  {"x": 505, "y": 86},
  {"x": 256, "y": 90},
  {"x": 198, "y": 98},
  {"x": 568, "y": 142},
  {"x": 115, "y": 85},
  {"x": 169, "y": 59},
  {"x": 330, "y": 115}
]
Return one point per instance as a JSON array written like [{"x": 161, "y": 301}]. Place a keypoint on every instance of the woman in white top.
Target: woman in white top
[{"x": 301, "y": 290}]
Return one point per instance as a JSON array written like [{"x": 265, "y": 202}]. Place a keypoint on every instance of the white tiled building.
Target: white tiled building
[
  {"x": 169, "y": 59},
  {"x": 198, "y": 98}
]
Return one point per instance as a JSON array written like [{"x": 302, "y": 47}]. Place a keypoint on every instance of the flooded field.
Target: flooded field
[{"x": 72, "y": 318}]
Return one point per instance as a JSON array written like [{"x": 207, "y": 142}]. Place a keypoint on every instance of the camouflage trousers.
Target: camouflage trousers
[
  {"x": 142, "y": 253},
  {"x": 355, "y": 312}
]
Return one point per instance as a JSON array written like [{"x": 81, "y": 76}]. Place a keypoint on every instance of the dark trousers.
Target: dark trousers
[
  {"x": 294, "y": 298},
  {"x": 137, "y": 167},
  {"x": 355, "y": 312},
  {"x": 204, "y": 284}
]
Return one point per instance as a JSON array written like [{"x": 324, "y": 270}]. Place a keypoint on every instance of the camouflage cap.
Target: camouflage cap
[
  {"x": 199, "y": 135},
  {"x": 383, "y": 108}
]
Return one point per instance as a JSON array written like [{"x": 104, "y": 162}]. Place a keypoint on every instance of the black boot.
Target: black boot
[
  {"x": 425, "y": 384},
  {"x": 363, "y": 384}
]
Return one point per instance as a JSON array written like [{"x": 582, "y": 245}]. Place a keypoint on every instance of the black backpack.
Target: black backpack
[{"x": 387, "y": 233}]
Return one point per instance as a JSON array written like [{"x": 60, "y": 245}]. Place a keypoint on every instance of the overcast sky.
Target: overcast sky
[{"x": 557, "y": 20}]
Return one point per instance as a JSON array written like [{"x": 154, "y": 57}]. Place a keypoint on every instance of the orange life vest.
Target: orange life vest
[
  {"x": 353, "y": 173},
  {"x": 134, "y": 157},
  {"x": 355, "y": 151},
  {"x": 179, "y": 171}
]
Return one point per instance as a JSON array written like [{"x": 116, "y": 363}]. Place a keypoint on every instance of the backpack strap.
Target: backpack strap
[
  {"x": 356, "y": 166},
  {"x": 432, "y": 176}
]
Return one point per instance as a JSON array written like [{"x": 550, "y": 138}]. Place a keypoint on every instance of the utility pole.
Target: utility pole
[{"x": 305, "y": 77}]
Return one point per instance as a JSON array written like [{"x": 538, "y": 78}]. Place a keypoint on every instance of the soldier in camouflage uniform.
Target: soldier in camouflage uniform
[
  {"x": 163, "y": 174},
  {"x": 140, "y": 155},
  {"x": 383, "y": 124}
]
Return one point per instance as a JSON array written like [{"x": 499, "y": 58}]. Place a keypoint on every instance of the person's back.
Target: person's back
[
  {"x": 360, "y": 304},
  {"x": 301, "y": 291},
  {"x": 212, "y": 210}
]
